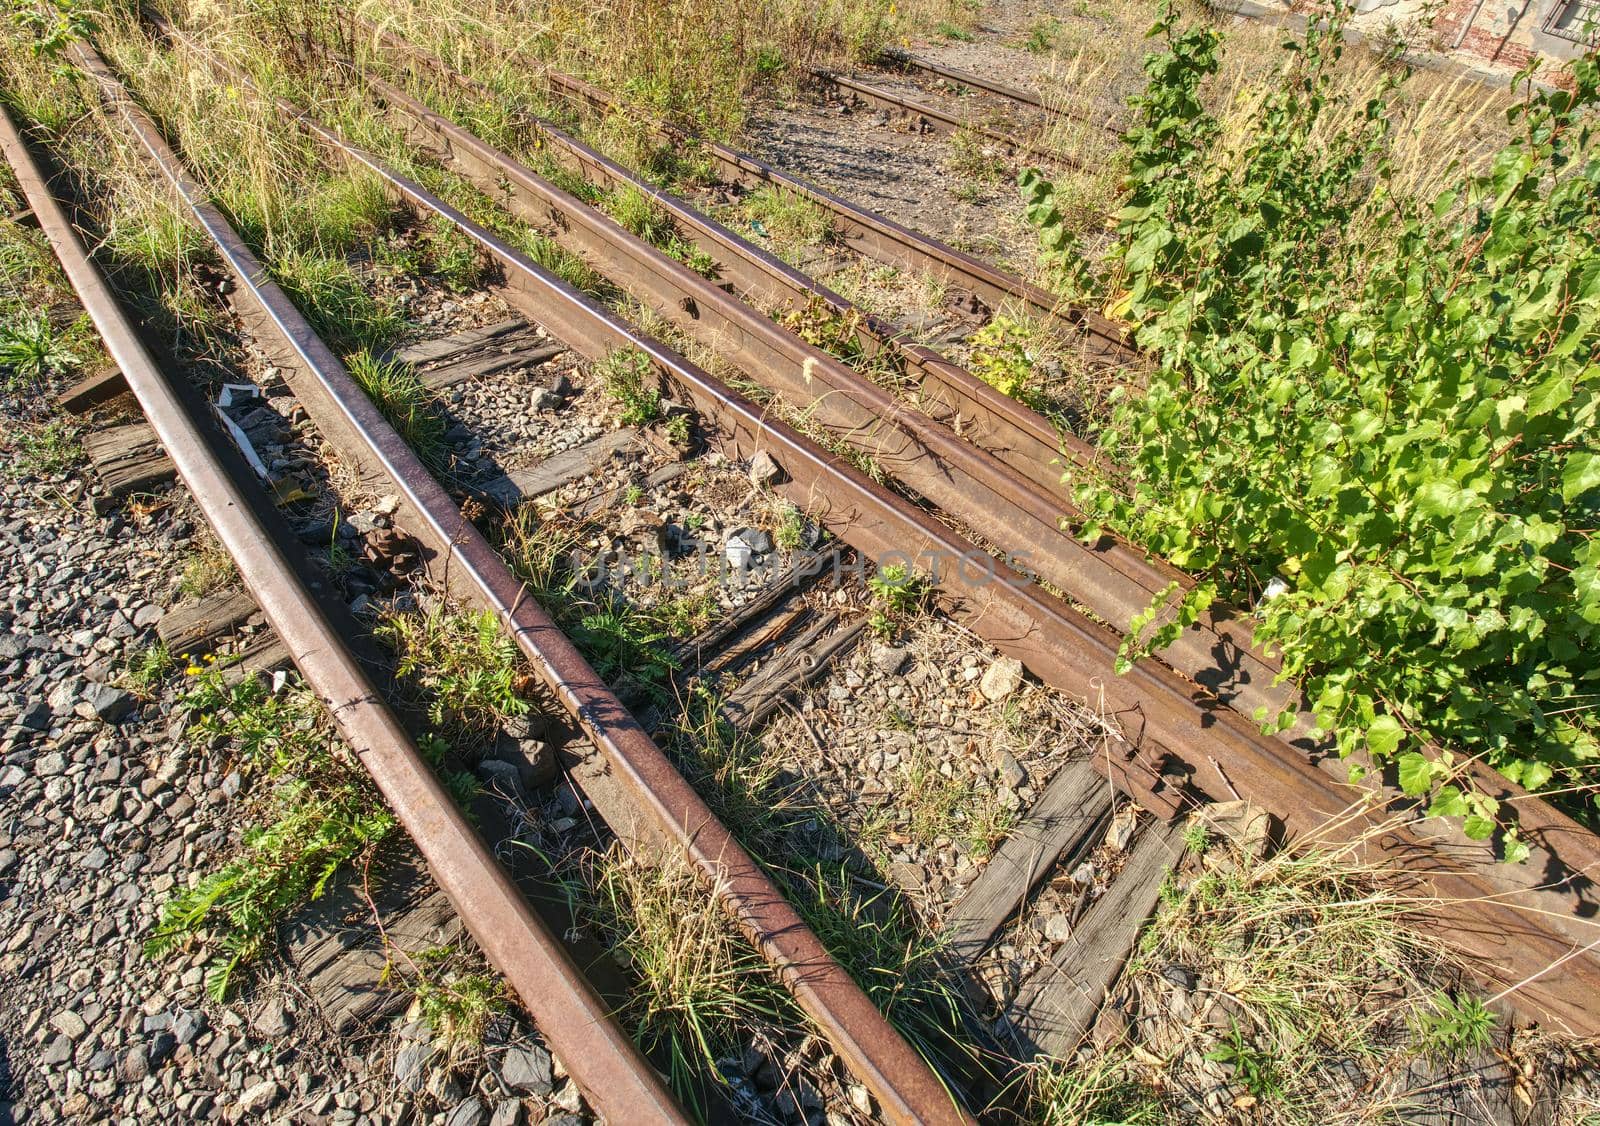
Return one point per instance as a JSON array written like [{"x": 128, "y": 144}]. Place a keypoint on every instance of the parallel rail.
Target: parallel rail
[
  {"x": 1114, "y": 580},
  {"x": 614, "y": 1076},
  {"x": 874, "y": 236},
  {"x": 1525, "y": 923},
  {"x": 635, "y": 788}
]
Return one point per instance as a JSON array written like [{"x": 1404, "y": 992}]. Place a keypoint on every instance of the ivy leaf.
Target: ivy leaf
[{"x": 1416, "y": 774}]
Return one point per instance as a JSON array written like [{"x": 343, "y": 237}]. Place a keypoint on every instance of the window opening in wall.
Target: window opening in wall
[{"x": 1577, "y": 20}]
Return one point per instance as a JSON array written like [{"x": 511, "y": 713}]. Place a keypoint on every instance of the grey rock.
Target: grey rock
[
  {"x": 8, "y": 860},
  {"x": 468, "y": 1112},
  {"x": 274, "y": 1020},
  {"x": 764, "y": 471},
  {"x": 36, "y": 716},
  {"x": 110, "y": 704},
  {"x": 1012, "y": 773},
  {"x": 410, "y": 1064},
  {"x": 65, "y": 695},
  {"x": 506, "y": 1113},
  {"x": 69, "y": 1024},
  {"x": 889, "y": 659},
  {"x": 543, "y": 399},
  {"x": 1180, "y": 976},
  {"x": 135, "y": 1064},
  {"x": 1001, "y": 679},
  {"x": 527, "y": 1070},
  {"x": 1057, "y": 928},
  {"x": 57, "y": 1052},
  {"x": 501, "y": 777},
  {"x": 260, "y": 1096},
  {"x": 160, "y": 1048},
  {"x": 188, "y": 1024},
  {"x": 51, "y": 764}
]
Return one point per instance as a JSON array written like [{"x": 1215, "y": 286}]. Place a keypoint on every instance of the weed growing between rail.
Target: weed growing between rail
[
  {"x": 1293, "y": 989},
  {"x": 321, "y": 813},
  {"x": 1408, "y": 421}
]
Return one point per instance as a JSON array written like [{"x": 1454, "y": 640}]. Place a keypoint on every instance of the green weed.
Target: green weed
[
  {"x": 31, "y": 352},
  {"x": 399, "y": 393},
  {"x": 630, "y": 378},
  {"x": 1455, "y": 1026},
  {"x": 321, "y": 814},
  {"x": 462, "y": 662}
]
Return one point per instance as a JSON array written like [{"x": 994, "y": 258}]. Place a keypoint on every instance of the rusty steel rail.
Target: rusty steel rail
[
  {"x": 616, "y": 1079},
  {"x": 907, "y": 61},
  {"x": 928, "y": 119},
  {"x": 1520, "y": 923},
  {"x": 868, "y": 233},
  {"x": 1117, "y": 581},
  {"x": 638, "y": 791},
  {"x": 1018, "y": 435}
]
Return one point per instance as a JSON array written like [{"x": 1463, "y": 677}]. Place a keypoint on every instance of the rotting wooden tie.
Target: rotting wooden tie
[
  {"x": 1056, "y": 1006},
  {"x": 478, "y": 353},
  {"x": 1064, "y": 820},
  {"x": 128, "y": 460}
]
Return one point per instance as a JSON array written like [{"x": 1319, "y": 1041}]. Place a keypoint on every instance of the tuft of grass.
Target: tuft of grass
[
  {"x": 320, "y": 815},
  {"x": 787, "y": 216},
  {"x": 207, "y": 568},
  {"x": 148, "y": 669},
  {"x": 790, "y": 531},
  {"x": 330, "y": 293},
  {"x": 466, "y": 668},
  {"x": 452, "y": 256},
  {"x": 31, "y": 352},
  {"x": 41, "y": 449},
  {"x": 973, "y": 155},
  {"x": 700, "y": 987},
  {"x": 1042, "y": 35},
  {"x": 1306, "y": 964},
  {"x": 629, "y": 377},
  {"x": 1099, "y": 1090},
  {"x": 399, "y": 393},
  {"x": 456, "y": 1005}
]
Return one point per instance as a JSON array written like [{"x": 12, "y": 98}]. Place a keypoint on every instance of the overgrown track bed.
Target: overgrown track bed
[
  {"x": 1178, "y": 723},
  {"x": 631, "y": 784},
  {"x": 1166, "y": 742},
  {"x": 1561, "y": 886},
  {"x": 612, "y": 1073}
]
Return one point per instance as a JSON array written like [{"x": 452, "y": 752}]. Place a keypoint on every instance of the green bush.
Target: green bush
[{"x": 1382, "y": 407}]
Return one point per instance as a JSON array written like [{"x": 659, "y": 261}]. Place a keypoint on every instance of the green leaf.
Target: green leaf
[
  {"x": 1581, "y": 474},
  {"x": 1478, "y": 827},
  {"x": 1448, "y": 802},
  {"x": 1383, "y": 738},
  {"x": 1416, "y": 774}
]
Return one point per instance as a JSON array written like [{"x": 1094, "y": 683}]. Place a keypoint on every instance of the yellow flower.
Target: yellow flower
[{"x": 192, "y": 670}]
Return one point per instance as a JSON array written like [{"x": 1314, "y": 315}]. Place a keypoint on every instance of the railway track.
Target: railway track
[
  {"x": 1111, "y": 579},
  {"x": 1175, "y": 741}
]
